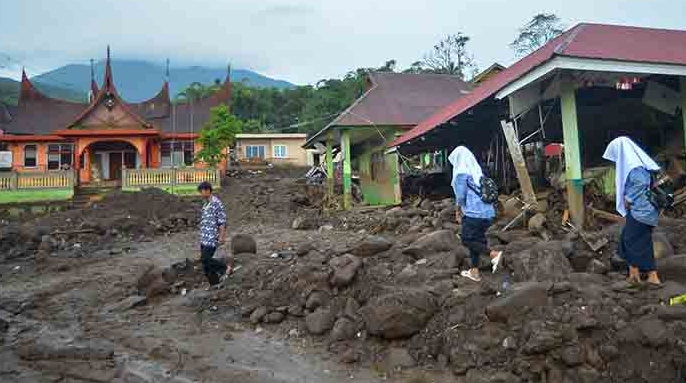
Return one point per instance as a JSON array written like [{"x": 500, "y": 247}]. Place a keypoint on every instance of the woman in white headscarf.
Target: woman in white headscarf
[
  {"x": 632, "y": 183},
  {"x": 472, "y": 212}
]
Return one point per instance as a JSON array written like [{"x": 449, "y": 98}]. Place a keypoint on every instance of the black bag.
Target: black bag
[
  {"x": 661, "y": 192},
  {"x": 489, "y": 190}
]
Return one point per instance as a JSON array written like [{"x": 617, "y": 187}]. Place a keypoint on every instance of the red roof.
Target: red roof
[{"x": 590, "y": 41}]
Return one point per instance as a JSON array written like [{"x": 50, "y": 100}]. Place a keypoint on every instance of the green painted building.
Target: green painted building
[{"x": 393, "y": 104}]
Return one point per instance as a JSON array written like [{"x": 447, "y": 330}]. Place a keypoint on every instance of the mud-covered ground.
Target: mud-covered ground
[{"x": 111, "y": 293}]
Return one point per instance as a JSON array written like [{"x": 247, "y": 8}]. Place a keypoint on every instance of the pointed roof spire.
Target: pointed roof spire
[{"x": 108, "y": 83}]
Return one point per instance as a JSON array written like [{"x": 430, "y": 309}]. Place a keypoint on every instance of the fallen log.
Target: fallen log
[
  {"x": 84, "y": 231},
  {"x": 607, "y": 216}
]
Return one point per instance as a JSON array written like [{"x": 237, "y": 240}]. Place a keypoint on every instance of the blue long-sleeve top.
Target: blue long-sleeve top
[
  {"x": 469, "y": 201},
  {"x": 636, "y": 193}
]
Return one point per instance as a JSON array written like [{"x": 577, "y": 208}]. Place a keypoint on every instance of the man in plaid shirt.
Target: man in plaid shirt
[{"x": 212, "y": 234}]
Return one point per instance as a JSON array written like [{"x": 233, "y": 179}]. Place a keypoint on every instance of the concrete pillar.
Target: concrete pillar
[
  {"x": 574, "y": 173},
  {"x": 683, "y": 106},
  {"x": 393, "y": 168},
  {"x": 329, "y": 168},
  {"x": 347, "y": 169}
]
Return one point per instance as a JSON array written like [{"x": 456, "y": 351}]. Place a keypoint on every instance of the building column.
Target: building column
[
  {"x": 683, "y": 106},
  {"x": 329, "y": 168},
  {"x": 347, "y": 169},
  {"x": 574, "y": 173},
  {"x": 392, "y": 162}
]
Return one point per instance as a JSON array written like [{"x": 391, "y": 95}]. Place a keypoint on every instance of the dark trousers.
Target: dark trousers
[
  {"x": 474, "y": 238},
  {"x": 636, "y": 245},
  {"x": 213, "y": 268}
]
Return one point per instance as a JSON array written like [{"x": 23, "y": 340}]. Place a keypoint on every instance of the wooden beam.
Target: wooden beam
[
  {"x": 329, "y": 168},
  {"x": 347, "y": 169},
  {"x": 528, "y": 194},
  {"x": 570, "y": 131}
]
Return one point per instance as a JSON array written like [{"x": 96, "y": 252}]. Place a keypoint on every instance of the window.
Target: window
[
  {"x": 177, "y": 153},
  {"x": 280, "y": 151},
  {"x": 253, "y": 151},
  {"x": 59, "y": 156},
  {"x": 30, "y": 153}
]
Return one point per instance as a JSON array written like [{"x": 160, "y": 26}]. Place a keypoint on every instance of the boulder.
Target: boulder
[
  {"x": 523, "y": 298},
  {"x": 512, "y": 208},
  {"x": 152, "y": 283},
  {"x": 537, "y": 223},
  {"x": 317, "y": 299},
  {"x": 399, "y": 358},
  {"x": 399, "y": 314},
  {"x": 436, "y": 242},
  {"x": 303, "y": 223},
  {"x": 546, "y": 261},
  {"x": 596, "y": 266},
  {"x": 426, "y": 205},
  {"x": 662, "y": 246},
  {"x": 372, "y": 245},
  {"x": 274, "y": 317},
  {"x": 655, "y": 332},
  {"x": 448, "y": 213},
  {"x": 343, "y": 329},
  {"x": 243, "y": 243},
  {"x": 542, "y": 342},
  {"x": 672, "y": 268},
  {"x": 304, "y": 249},
  {"x": 320, "y": 321},
  {"x": 344, "y": 269},
  {"x": 258, "y": 314}
]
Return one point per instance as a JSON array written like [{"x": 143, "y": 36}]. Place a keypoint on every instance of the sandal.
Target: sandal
[
  {"x": 467, "y": 274},
  {"x": 496, "y": 261}
]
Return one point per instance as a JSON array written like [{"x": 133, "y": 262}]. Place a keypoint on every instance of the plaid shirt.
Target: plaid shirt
[{"x": 213, "y": 217}]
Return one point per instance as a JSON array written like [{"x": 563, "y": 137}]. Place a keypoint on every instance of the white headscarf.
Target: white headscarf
[
  {"x": 627, "y": 156},
  {"x": 463, "y": 162}
]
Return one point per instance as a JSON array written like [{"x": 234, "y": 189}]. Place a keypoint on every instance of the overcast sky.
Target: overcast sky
[{"x": 301, "y": 41}]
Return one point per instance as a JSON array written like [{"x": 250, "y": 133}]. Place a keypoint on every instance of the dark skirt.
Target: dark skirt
[
  {"x": 636, "y": 245},
  {"x": 474, "y": 237}
]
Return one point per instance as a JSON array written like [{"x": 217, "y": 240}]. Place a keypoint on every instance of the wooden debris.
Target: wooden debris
[
  {"x": 84, "y": 231},
  {"x": 607, "y": 216}
]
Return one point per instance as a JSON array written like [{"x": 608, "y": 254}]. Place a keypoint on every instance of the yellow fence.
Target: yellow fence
[
  {"x": 137, "y": 178},
  {"x": 59, "y": 179}
]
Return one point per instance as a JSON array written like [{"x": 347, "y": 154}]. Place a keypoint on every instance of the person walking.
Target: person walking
[
  {"x": 475, "y": 215},
  {"x": 632, "y": 183},
  {"x": 212, "y": 234}
]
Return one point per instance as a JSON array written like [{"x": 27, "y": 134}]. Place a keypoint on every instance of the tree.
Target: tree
[
  {"x": 542, "y": 28},
  {"x": 450, "y": 56},
  {"x": 218, "y": 134}
]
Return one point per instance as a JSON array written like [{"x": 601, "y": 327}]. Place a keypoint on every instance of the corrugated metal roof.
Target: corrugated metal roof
[{"x": 590, "y": 41}]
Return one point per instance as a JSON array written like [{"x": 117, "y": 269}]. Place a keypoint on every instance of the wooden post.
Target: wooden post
[
  {"x": 15, "y": 180},
  {"x": 329, "y": 168},
  {"x": 519, "y": 163},
  {"x": 683, "y": 107},
  {"x": 570, "y": 131},
  {"x": 347, "y": 169},
  {"x": 394, "y": 176}
]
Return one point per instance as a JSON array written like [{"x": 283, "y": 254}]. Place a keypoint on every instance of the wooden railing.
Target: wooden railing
[
  {"x": 137, "y": 178},
  {"x": 59, "y": 179}
]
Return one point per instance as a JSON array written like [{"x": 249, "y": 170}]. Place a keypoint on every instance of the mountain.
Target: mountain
[
  {"x": 9, "y": 91},
  {"x": 139, "y": 80}
]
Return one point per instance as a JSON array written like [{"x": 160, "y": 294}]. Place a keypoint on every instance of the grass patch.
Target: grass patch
[{"x": 22, "y": 196}]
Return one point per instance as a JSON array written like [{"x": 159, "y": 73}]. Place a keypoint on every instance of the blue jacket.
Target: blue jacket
[
  {"x": 636, "y": 192},
  {"x": 469, "y": 201}
]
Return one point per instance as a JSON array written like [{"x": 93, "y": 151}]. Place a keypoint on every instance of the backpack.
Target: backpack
[
  {"x": 489, "y": 190},
  {"x": 661, "y": 192}
]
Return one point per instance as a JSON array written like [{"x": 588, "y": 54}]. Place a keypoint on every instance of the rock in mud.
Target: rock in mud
[
  {"x": 127, "y": 304},
  {"x": 543, "y": 341},
  {"x": 537, "y": 223},
  {"x": 317, "y": 299},
  {"x": 596, "y": 266},
  {"x": 258, "y": 314},
  {"x": 399, "y": 358},
  {"x": 152, "y": 282},
  {"x": 4, "y": 326},
  {"x": 296, "y": 310},
  {"x": 662, "y": 247},
  {"x": 304, "y": 249},
  {"x": 274, "y": 317},
  {"x": 371, "y": 246},
  {"x": 546, "y": 261},
  {"x": 344, "y": 269},
  {"x": 522, "y": 299},
  {"x": 48, "y": 347},
  {"x": 343, "y": 329},
  {"x": 243, "y": 244},
  {"x": 478, "y": 376},
  {"x": 654, "y": 332},
  {"x": 400, "y": 314},
  {"x": 320, "y": 321},
  {"x": 303, "y": 223},
  {"x": 672, "y": 269},
  {"x": 436, "y": 242}
]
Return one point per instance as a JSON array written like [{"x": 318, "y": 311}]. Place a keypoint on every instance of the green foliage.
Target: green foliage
[
  {"x": 542, "y": 28},
  {"x": 218, "y": 134}
]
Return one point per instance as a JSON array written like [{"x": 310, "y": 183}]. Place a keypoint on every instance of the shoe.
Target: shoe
[
  {"x": 495, "y": 262},
  {"x": 467, "y": 274}
]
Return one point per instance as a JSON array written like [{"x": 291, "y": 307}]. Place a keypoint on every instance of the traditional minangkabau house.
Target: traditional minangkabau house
[
  {"x": 393, "y": 104},
  {"x": 104, "y": 138}
]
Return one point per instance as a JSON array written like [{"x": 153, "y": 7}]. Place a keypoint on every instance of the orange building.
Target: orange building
[{"x": 108, "y": 134}]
